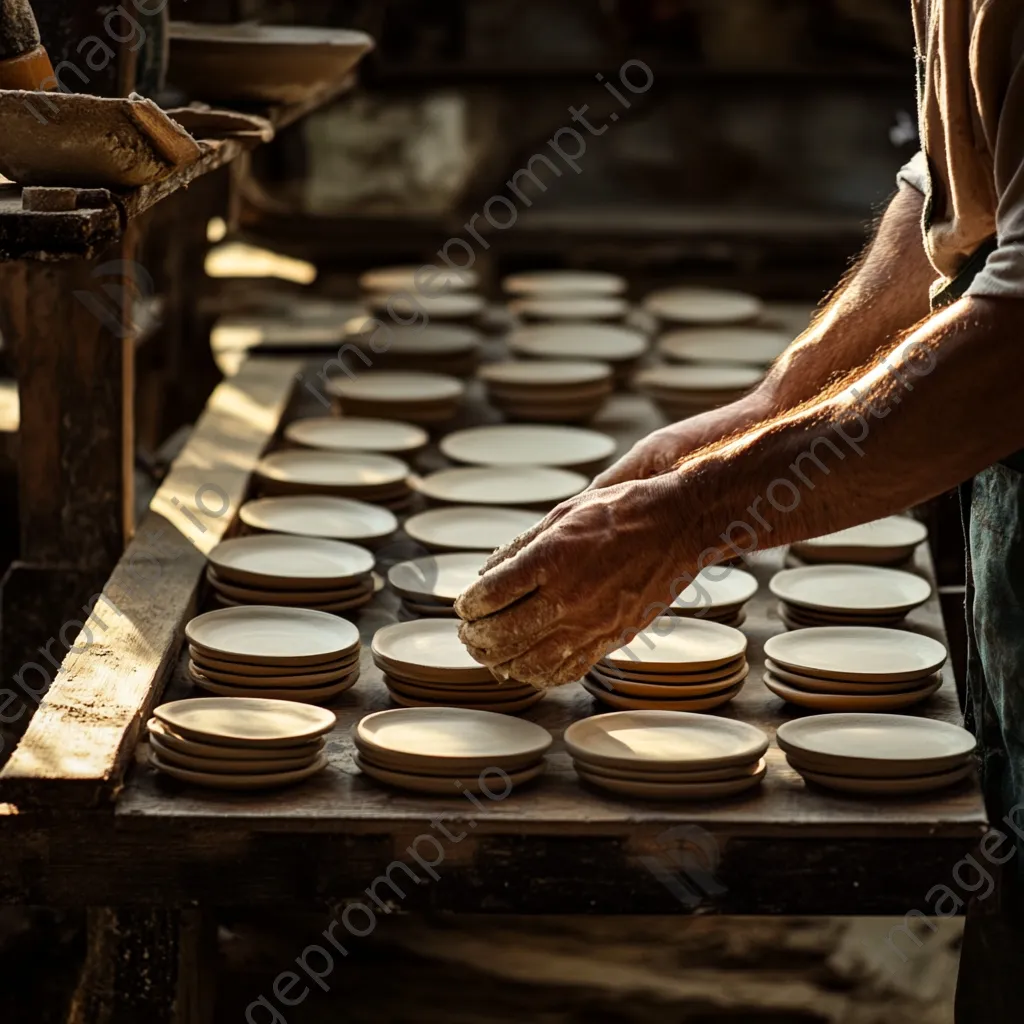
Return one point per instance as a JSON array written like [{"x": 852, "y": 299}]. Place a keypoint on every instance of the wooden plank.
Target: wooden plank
[{"x": 83, "y": 735}]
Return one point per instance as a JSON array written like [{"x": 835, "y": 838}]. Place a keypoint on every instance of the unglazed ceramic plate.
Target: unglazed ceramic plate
[
  {"x": 851, "y": 702},
  {"x": 740, "y": 771},
  {"x": 540, "y": 376},
  {"x": 563, "y": 282},
  {"x": 674, "y": 643},
  {"x": 528, "y": 445},
  {"x": 271, "y": 635},
  {"x": 544, "y": 307},
  {"x": 280, "y": 560},
  {"x": 679, "y": 703},
  {"x": 895, "y": 534},
  {"x": 717, "y": 588},
  {"x": 384, "y": 386},
  {"x": 342, "y": 470},
  {"x": 296, "y": 680},
  {"x": 511, "y": 707},
  {"x": 221, "y": 780},
  {"x": 469, "y": 527},
  {"x": 426, "y": 278},
  {"x": 579, "y": 341},
  {"x": 884, "y": 787},
  {"x": 388, "y": 339},
  {"x": 817, "y": 685},
  {"x": 441, "y": 577},
  {"x": 853, "y": 588},
  {"x": 673, "y": 790},
  {"x": 311, "y": 695},
  {"x": 664, "y": 741},
  {"x": 875, "y": 745},
  {"x": 249, "y": 670},
  {"x": 674, "y": 677},
  {"x": 245, "y": 721},
  {"x": 319, "y": 515},
  {"x": 702, "y": 306},
  {"x": 674, "y": 691},
  {"x": 438, "y": 785},
  {"x": 746, "y": 346},
  {"x": 356, "y": 434},
  {"x": 405, "y": 306},
  {"x": 857, "y": 653},
  {"x": 676, "y": 381},
  {"x": 226, "y": 766},
  {"x": 461, "y": 736},
  {"x": 432, "y": 644},
  {"x": 304, "y": 751},
  {"x": 502, "y": 485},
  {"x": 475, "y": 693}
]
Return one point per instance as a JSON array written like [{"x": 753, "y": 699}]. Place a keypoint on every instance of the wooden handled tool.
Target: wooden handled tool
[{"x": 24, "y": 63}]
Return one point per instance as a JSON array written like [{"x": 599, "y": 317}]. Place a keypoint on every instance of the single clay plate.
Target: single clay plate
[
  {"x": 319, "y": 515},
  {"x": 412, "y": 646},
  {"x": 356, "y": 434},
  {"x": 271, "y": 635},
  {"x": 384, "y": 386},
  {"x": 220, "y": 780},
  {"x": 539, "y": 376},
  {"x": 424, "y": 279},
  {"x": 857, "y": 588},
  {"x": 746, "y": 346},
  {"x": 442, "y": 577},
  {"x": 280, "y": 560},
  {"x": 740, "y": 771},
  {"x": 245, "y": 722},
  {"x": 405, "y": 305},
  {"x": 876, "y": 745},
  {"x": 702, "y": 306},
  {"x": 469, "y": 528},
  {"x": 496, "y": 782},
  {"x": 563, "y": 282},
  {"x": 894, "y": 533},
  {"x": 502, "y": 485},
  {"x": 884, "y": 787},
  {"x": 579, "y": 341},
  {"x": 716, "y": 588},
  {"x": 385, "y": 339},
  {"x": 672, "y": 643},
  {"x": 441, "y": 735},
  {"x": 673, "y": 790},
  {"x": 349, "y": 470},
  {"x": 554, "y": 307},
  {"x": 857, "y": 653},
  {"x": 664, "y": 741},
  {"x": 528, "y": 444},
  {"x": 305, "y": 751}
]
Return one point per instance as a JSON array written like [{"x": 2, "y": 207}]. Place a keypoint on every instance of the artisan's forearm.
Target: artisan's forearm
[{"x": 941, "y": 406}]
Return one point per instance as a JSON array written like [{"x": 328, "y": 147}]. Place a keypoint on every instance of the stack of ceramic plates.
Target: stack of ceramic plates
[
  {"x": 438, "y": 348},
  {"x": 368, "y": 476},
  {"x": 718, "y": 594},
  {"x": 316, "y": 515},
  {"x": 620, "y": 347},
  {"x": 877, "y": 755},
  {"x": 850, "y": 595},
  {"x": 298, "y": 572},
  {"x": 430, "y": 586},
  {"x": 528, "y": 486},
  {"x": 744, "y": 346},
  {"x": 426, "y": 664},
  {"x": 563, "y": 283},
  {"x": 548, "y": 391},
  {"x": 887, "y": 541},
  {"x": 667, "y": 755},
  {"x": 424, "y": 398},
  {"x": 406, "y": 307},
  {"x": 281, "y": 653},
  {"x": 355, "y": 434},
  {"x": 853, "y": 668},
  {"x": 529, "y": 445},
  {"x": 238, "y": 743},
  {"x": 682, "y": 391},
  {"x": 449, "y": 751},
  {"x": 676, "y": 664},
  {"x": 702, "y": 306},
  {"x": 569, "y": 308},
  {"x": 469, "y": 527},
  {"x": 427, "y": 279}
]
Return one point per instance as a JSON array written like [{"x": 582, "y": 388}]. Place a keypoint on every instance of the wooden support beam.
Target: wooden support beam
[{"x": 82, "y": 737}]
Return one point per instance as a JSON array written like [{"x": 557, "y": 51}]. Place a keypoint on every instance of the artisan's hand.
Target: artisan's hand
[
  {"x": 597, "y": 569},
  {"x": 650, "y": 456}
]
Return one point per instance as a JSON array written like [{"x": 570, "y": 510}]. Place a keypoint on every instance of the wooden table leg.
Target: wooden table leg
[
  {"x": 156, "y": 966},
  {"x": 69, "y": 326}
]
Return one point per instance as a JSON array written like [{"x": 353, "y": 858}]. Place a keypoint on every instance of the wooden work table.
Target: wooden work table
[{"x": 126, "y": 835}]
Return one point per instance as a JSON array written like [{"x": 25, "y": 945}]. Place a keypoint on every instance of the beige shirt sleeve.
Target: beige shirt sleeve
[{"x": 914, "y": 173}]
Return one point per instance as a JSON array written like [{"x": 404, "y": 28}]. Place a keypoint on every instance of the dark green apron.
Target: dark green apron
[{"x": 992, "y": 505}]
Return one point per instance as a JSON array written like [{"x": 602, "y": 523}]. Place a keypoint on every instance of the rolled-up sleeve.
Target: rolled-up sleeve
[{"x": 914, "y": 173}]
